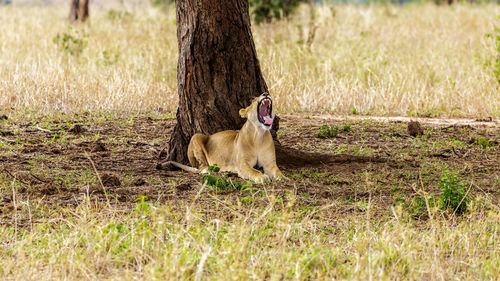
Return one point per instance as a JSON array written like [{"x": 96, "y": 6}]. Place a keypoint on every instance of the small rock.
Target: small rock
[
  {"x": 139, "y": 182},
  {"x": 98, "y": 147},
  {"x": 414, "y": 129},
  {"x": 110, "y": 180}
]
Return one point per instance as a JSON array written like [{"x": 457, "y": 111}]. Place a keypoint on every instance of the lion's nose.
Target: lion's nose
[{"x": 266, "y": 94}]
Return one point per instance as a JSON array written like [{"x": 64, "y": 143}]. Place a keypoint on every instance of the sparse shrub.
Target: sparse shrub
[
  {"x": 418, "y": 206},
  {"x": 346, "y": 127},
  {"x": 457, "y": 142},
  {"x": 142, "y": 206},
  {"x": 399, "y": 198},
  {"x": 221, "y": 182},
  {"x": 266, "y": 10},
  {"x": 117, "y": 239},
  {"x": 354, "y": 111},
  {"x": 72, "y": 42},
  {"x": 483, "y": 142},
  {"x": 327, "y": 131},
  {"x": 453, "y": 196},
  {"x": 247, "y": 200}
]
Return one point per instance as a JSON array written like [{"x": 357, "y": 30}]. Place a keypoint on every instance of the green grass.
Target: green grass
[
  {"x": 221, "y": 182},
  {"x": 454, "y": 195},
  {"x": 327, "y": 131},
  {"x": 274, "y": 242}
]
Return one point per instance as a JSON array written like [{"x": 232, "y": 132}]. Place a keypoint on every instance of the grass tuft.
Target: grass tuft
[
  {"x": 221, "y": 182},
  {"x": 453, "y": 196},
  {"x": 327, "y": 131}
]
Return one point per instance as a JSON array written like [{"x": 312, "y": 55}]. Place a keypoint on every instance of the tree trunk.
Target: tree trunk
[
  {"x": 79, "y": 10},
  {"x": 218, "y": 71}
]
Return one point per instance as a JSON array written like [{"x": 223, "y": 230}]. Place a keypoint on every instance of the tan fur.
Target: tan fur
[{"x": 238, "y": 151}]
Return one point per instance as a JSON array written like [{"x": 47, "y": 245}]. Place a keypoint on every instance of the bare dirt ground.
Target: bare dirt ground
[{"x": 373, "y": 161}]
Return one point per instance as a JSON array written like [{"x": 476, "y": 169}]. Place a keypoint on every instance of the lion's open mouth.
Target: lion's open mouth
[{"x": 264, "y": 111}]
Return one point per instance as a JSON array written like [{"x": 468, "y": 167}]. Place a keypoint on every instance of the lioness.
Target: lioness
[{"x": 239, "y": 151}]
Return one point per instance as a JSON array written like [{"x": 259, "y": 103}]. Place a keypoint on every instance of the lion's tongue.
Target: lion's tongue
[{"x": 268, "y": 120}]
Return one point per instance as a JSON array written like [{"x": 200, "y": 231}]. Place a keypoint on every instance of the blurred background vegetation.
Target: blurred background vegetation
[{"x": 417, "y": 58}]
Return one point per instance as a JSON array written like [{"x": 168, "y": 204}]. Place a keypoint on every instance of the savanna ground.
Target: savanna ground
[{"x": 85, "y": 123}]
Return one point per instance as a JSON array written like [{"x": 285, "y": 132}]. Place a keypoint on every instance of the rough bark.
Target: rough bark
[
  {"x": 79, "y": 10},
  {"x": 218, "y": 71}
]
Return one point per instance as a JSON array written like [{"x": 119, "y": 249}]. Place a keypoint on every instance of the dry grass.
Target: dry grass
[
  {"x": 417, "y": 59},
  {"x": 274, "y": 243}
]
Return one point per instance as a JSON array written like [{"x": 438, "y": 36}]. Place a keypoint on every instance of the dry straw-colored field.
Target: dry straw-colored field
[{"x": 386, "y": 60}]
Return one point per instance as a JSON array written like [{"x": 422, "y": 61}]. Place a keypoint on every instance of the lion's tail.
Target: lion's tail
[{"x": 164, "y": 165}]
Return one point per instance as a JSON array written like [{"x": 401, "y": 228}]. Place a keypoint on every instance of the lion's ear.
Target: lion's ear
[{"x": 243, "y": 113}]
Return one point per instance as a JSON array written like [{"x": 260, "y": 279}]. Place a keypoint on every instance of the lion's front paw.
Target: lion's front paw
[
  {"x": 260, "y": 178},
  {"x": 277, "y": 175},
  {"x": 281, "y": 177}
]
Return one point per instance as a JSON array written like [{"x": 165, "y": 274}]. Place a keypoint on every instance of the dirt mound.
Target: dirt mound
[{"x": 414, "y": 129}]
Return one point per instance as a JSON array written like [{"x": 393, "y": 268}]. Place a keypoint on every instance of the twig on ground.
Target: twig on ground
[
  {"x": 467, "y": 193},
  {"x": 98, "y": 177},
  {"x": 456, "y": 153},
  {"x": 42, "y": 129},
  {"x": 14, "y": 202},
  {"x": 37, "y": 178},
  {"x": 13, "y": 176}
]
